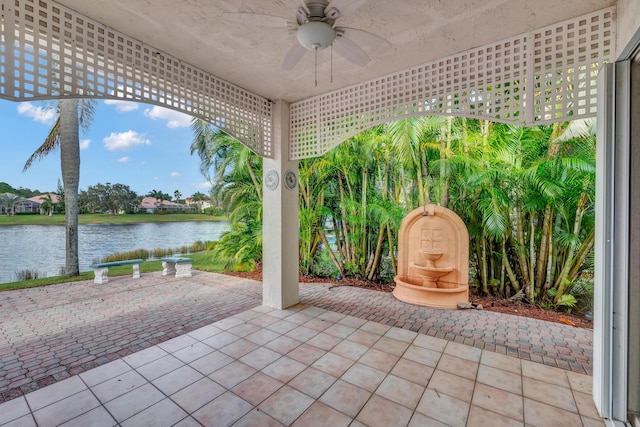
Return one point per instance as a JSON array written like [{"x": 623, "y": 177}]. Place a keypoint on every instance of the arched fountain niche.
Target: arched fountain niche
[{"x": 433, "y": 258}]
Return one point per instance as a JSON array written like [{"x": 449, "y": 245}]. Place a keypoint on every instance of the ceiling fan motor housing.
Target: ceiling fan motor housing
[{"x": 316, "y": 35}]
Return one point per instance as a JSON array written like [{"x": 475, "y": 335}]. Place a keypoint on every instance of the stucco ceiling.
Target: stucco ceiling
[{"x": 418, "y": 31}]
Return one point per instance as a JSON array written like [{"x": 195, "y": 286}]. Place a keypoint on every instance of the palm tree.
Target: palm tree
[
  {"x": 177, "y": 195},
  {"x": 8, "y": 201},
  {"x": 73, "y": 114}
]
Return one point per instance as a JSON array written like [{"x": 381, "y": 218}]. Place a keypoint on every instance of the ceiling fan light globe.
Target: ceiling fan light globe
[{"x": 315, "y": 35}]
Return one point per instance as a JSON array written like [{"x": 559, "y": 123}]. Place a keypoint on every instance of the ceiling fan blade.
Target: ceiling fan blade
[
  {"x": 350, "y": 51},
  {"x": 368, "y": 41},
  {"x": 259, "y": 20},
  {"x": 343, "y": 7},
  {"x": 294, "y": 56}
]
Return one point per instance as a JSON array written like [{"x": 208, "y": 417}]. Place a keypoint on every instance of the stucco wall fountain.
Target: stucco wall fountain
[{"x": 433, "y": 258}]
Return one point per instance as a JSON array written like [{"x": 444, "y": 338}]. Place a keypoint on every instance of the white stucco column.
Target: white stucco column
[{"x": 280, "y": 218}]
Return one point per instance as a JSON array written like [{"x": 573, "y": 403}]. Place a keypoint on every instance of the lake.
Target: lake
[{"x": 41, "y": 247}]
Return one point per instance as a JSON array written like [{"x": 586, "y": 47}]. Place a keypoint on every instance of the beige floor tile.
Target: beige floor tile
[
  {"x": 422, "y": 355},
  {"x": 455, "y": 365},
  {"x": 55, "y": 392},
  {"x": 324, "y": 341},
  {"x": 549, "y": 393},
  {"x": 350, "y": 350},
  {"x": 222, "y": 411},
  {"x": 332, "y": 316},
  {"x": 284, "y": 369},
  {"x": 500, "y": 361},
  {"x": 302, "y": 334},
  {"x": 257, "y": 418},
  {"x": 345, "y": 397},
  {"x": 453, "y": 385},
  {"x": 163, "y": 414},
  {"x": 105, "y": 372},
  {"x": 177, "y": 343},
  {"x": 232, "y": 374},
  {"x": 306, "y": 354},
  {"x": 118, "y": 386},
  {"x": 198, "y": 394},
  {"x": 282, "y": 344},
  {"x": 364, "y": 376},
  {"x": 419, "y": 420},
  {"x": 591, "y": 422},
  {"x": 333, "y": 364},
  {"x": 313, "y": 311},
  {"x": 228, "y": 323},
  {"x": 432, "y": 343},
  {"x": 463, "y": 351},
  {"x": 187, "y": 422},
  {"x": 193, "y": 352},
  {"x": 205, "y": 332},
  {"x": 244, "y": 329},
  {"x": 66, "y": 409},
  {"x": 13, "y": 409},
  {"x": 317, "y": 324},
  {"x": 501, "y": 379},
  {"x": 321, "y": 415},
  {"x": 375, "y": 327},
  {"x": 177, "y": 380},
  {"x": 221, "y": 340},
  {"x": 262, "y": 336},
  {"x": 286, "y": 405},
  {"x": 211, "y": 362},
  {"x": 413, "y": 371},
  {"x": 480, "y": 417},
  {"x": 545, "y": 373},
  {"x": 540, "y": 414},
  {"x": 500, "y": 401},
  {"x": 380, "y": 412},
  {"x": 260, "y": 358},
  {"x": 282, "y": 326},
  {"x": 354, "y": 322},
  {"x": 145, "y": 356},
  {"x": 580, "y": 382},
  {"x": 135, "y": 401},
  {"x": 400, "y": 334},
  {"x": 257, "y": 388},
  {"x": 247, "y": 315},
  {"x": 363, "y": 337},
  {"x": 340, "y": 331},
  {"x": 391, "y": 346},
  {"x": 239, "y": 348},
  {"x": 98, "y": 417},
  {"x": 585, "y": 404},
  {"x": 160, "y": 367},
  {"x": 379, "y": 359},
  {"x": 400, "y": 391},
  {"x": 298, "y": 318},
  {"x": 443, "y": 408},
  {"x": 312, "y": 382}
]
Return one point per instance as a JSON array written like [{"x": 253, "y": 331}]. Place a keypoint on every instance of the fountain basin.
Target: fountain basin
[
  {"x": 431, "y": 275},
  {"x": 441, "y": 297}
]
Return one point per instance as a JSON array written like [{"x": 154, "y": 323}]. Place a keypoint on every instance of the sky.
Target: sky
[{"x": 143, "y": 146}]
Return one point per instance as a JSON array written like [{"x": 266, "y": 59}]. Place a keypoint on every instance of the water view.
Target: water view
[{"x": 41, "y": 247}]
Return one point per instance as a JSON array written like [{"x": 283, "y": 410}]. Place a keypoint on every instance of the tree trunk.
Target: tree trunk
[
  {"x": 544, "y": 246},
  {"x": 70, "y": 164},
  {"x": 563, "y": 280},
  {"x": 522, "y": 256}
]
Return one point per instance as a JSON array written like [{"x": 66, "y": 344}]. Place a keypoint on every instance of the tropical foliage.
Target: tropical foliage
[{"x": 526, "y": 195}]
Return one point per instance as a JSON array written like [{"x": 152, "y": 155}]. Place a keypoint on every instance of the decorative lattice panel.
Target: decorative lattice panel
[
  {"x": 555, "y": 68},
  {"x": 50, "y": 51},
  {"x": 565, "y": 62}
]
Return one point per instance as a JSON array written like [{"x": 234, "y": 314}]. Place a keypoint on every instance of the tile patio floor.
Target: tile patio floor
[{"x": 209, "y": 354}]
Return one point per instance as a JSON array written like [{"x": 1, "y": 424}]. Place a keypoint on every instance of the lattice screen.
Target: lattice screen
[
  {"x": 555, "y": 68},
  {"x": 48, "y": 51}
]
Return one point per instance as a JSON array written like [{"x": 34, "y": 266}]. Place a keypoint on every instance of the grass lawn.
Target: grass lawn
[
  {"x": 201, "y": 261},
  {"x": 58, "y": 219}
]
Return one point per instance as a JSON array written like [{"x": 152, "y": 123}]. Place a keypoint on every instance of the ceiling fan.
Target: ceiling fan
[{"x": 315, "y": 28}]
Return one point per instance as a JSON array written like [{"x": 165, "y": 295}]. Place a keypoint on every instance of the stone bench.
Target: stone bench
[
  {"x": 101, "y": 270},
  {"x": 181, "y": 267}
]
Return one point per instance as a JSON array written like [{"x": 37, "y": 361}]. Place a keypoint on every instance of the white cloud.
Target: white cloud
[
  {"x": 124, "y": 141},
  {"x": 84, "y": 144},
  {"x": 174, "y": 118},
  {"x": 46, "y": 116},
  {"x": 142, "y": 163},
  {"x": 123, "y": 159},
  {"x": 202, "y": 185},
  {"x": 155, "y": 178},
  {"x": 174, "y": 174},
  {"x": 122, "y": 106}
]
